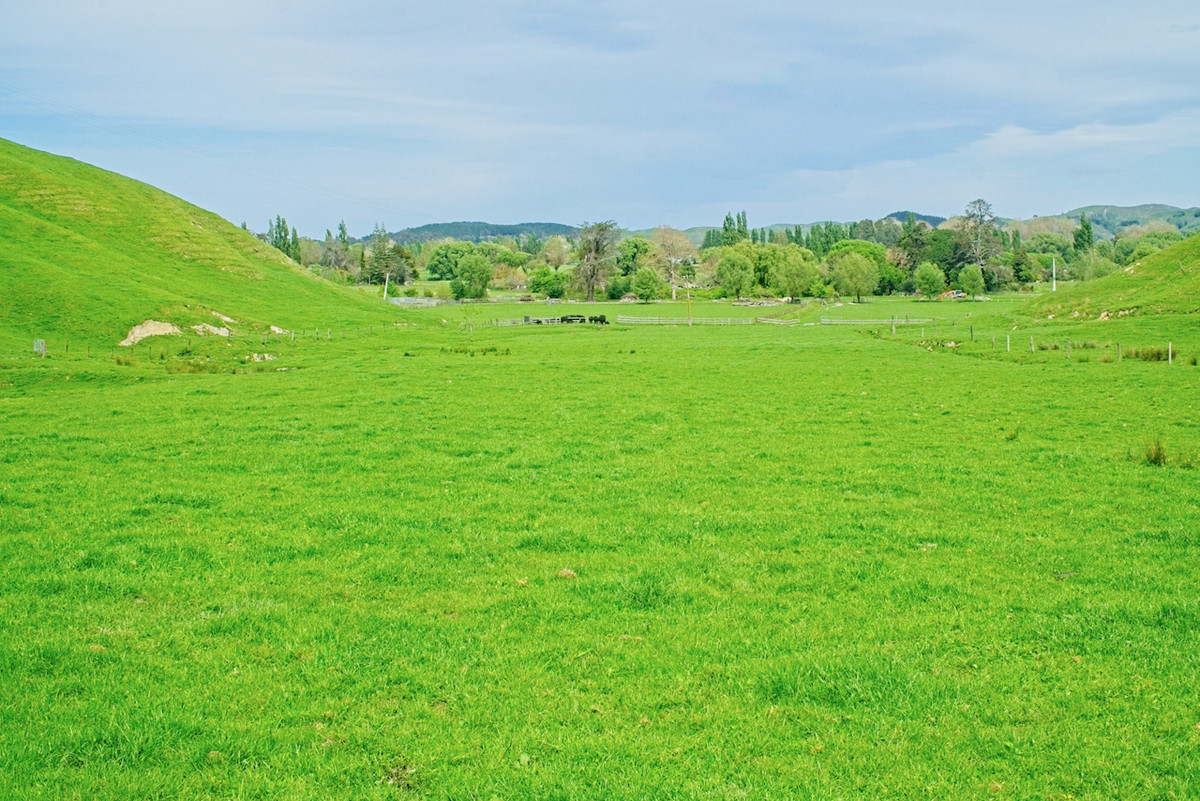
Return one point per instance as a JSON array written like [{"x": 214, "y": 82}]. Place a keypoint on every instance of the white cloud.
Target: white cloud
[
  {"x": 659, "y": 110},
  {"x": 1022, "y": 172}
]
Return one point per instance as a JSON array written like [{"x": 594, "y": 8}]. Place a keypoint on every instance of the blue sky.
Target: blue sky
[{"x": 648, "y": 113}]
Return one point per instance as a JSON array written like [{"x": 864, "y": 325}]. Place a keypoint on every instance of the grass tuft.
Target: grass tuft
[{"x": 1155, "y": 453}]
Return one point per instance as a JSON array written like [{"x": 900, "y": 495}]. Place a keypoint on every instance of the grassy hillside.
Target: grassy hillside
[
  {"x": 1108, "y": 221},
  {"x": 1165, "y": 282},
  {"x": 86, "y": 254}
]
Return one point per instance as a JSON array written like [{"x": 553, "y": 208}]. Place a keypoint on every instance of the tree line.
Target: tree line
[{"x": 973, "y": 253}]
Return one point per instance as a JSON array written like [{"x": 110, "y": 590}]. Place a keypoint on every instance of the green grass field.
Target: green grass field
[
  {"x": 418, "y": 554},
  {"x": 808, "y": 562}
]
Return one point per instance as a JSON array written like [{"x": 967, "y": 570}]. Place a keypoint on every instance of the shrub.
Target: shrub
[
  {"x": 929, "y": 279},
  {"x": 647, "y": 285},
  {"x": 618, "y": 287},
  {"x": 550, "y": 283}
]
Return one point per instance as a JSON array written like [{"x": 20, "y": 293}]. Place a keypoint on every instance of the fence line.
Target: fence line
[
  {"x": 684, "y": 320},
  {"x": 566, "y": 319},
  {"x": 895, "y": 321}
]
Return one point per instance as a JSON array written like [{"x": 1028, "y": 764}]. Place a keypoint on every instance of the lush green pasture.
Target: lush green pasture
[
  {"x": 87, "y": 254},
  {"x": 804, "y": 562}
]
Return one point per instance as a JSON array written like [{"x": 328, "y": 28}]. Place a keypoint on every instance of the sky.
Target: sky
[{"x": 647, "y": 113}]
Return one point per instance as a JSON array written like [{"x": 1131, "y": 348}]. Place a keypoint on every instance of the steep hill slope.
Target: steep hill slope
[
  {"x": 86, "y": 254},
  {"x": 1164, "y": 282}
]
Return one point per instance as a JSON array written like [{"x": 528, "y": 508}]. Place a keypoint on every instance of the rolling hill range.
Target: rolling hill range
[
  {"x": 481, "y": 231},
  {"x": 1108, "y": 221},
  {"x": 1166, "y": 282},
  {"x": 86, "y": 254}
]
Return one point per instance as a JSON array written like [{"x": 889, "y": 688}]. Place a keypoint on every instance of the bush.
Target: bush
[
  {"x": 929, "y": 279},
  {"x": 970, "y": 278},
  {"x": 550, "y": 283},
  {"x": 618, "y": 287},
  {"x": 647, "y": 285}
]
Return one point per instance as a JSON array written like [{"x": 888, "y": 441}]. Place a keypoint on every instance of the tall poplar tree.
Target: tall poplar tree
[{"x": 1084, "y": 238}]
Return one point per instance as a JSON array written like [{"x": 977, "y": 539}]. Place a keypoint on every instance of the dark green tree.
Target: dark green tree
[
  {"x": 970, "y": 278},
  {"x": 532, "y": 244},
  {"x": 471, "y": 277},
  {"x": 444, "y": 258},
  {"x": 947, "y": 249},
  {"x": 385, "y": 260},
  {"x": 278, "y": 235},
  {"x": 912, "y": 243},
  {"x": 731, "y": 230},
  {"x": 929, "y": 279},
  {"x": 548, "y": 282},
  {"x": 1084, "y": 239},
  {"x": 891, "y": 279},
  {"x": 647, "y": 284},
  {"x": 632, "y": 253}
]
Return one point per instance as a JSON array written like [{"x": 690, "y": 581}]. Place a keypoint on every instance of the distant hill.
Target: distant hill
[
  {"x": 1108, "y": 221},
  {"x": 86, "y": 254},
  {"x": 931, "y": 220},
  {"x": 481, "y": 231},
  {"x": 1167, "y": 281}
]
